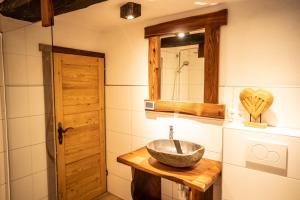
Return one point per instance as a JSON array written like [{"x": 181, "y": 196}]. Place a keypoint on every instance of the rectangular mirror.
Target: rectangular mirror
[{"x": 182, "y": 67}]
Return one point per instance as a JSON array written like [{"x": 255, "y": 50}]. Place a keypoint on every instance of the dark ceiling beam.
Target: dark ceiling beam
[
  {"x": 30, "y": 10},
  {"x": 47, "y": 13}
]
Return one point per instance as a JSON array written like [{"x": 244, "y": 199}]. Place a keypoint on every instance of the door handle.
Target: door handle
[{"x": 61, "y": 131}]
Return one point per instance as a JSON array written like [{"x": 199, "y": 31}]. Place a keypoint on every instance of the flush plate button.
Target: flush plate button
[
  {"x": 270, "y": 156},
  {"x": 261, "y": 152}
]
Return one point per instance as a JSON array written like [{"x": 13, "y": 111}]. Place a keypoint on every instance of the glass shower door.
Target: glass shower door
[{"x": 26, "y": 88}]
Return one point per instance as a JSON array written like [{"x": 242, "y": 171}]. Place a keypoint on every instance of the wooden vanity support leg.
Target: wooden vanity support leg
[
  {"x": 196, "y": 195},
  {"x": 145, "y": 186}
]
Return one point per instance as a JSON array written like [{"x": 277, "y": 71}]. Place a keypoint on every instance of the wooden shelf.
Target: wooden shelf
[{"x": 199, "y": 178}]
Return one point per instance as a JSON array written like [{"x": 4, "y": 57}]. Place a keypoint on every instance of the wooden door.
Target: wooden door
[{"x": 79, "y": 106}]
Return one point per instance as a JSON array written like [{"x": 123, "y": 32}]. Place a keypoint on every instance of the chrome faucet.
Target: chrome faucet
[
  {"x": 171, "y": 132},
  {"x": 176, "y": 142}
]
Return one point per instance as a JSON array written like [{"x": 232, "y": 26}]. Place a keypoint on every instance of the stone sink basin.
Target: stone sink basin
[{"x": 176, "y": 153}]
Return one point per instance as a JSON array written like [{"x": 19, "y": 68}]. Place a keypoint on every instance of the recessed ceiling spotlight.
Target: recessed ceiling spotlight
[
  {"x": 181, "y": 34},
  {"x": 130, "y": 10},
  {"x": 200, "y": 3},
  {"x": 130, "y": 17}
]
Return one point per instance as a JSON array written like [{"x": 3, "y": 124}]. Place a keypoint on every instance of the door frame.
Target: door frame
[
  {"x": 66, "y": 50},
  {"x": 48, "y": 62}
]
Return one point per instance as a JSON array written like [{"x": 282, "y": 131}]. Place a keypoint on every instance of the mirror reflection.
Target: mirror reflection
[{"x": 182, "y": 67}]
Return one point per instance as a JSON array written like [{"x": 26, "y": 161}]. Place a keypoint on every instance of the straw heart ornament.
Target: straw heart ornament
[{"x": 256, "y": 102}]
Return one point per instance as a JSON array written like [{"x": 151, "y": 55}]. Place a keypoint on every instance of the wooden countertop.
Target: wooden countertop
[{"x": 200, "y": 177}]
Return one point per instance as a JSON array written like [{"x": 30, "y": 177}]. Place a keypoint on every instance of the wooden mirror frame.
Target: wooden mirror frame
[{"x": 211, "y": 22}]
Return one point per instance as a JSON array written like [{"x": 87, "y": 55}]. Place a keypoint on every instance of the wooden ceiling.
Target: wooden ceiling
[{"x": 30, "y": 10}]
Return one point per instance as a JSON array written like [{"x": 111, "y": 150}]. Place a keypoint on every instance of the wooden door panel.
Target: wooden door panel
[
  {"x": 79, "y": 103},
  {"x": 80, "y": 73},
  {"x": 83, "y": 85},
  {"x": 89, "y": 175},
  {"x": 81, "y": 119},
  {"x": 83, "y": 193},
  {"x": 82, "y": 169},
  {"x": 81, "y": 153},
  {"x": 80, "y": 76},
  {"x": 77, "y": 60},
  {"x": 92, "y": 140},
  {"x": 73, "y": 109},
  {"x": 80, "y": 96},
  {"x": 78, "y": 136},
  {"x": 81, "y": 149}
]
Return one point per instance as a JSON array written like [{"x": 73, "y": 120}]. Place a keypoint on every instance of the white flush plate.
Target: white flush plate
[{"x": 266, "y": 154}]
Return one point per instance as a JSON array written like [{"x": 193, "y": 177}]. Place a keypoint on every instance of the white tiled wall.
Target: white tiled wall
[
  {"x": 72, "y": 36},
  {"x": 30, "y": 171},
  {"x": 129, "y": 127},
  {"x": 26, "y": 111},
  {"x": 250, "y": 43},
  {"x": 249, "y": 57},
  {"x": 260, "y": 184}
]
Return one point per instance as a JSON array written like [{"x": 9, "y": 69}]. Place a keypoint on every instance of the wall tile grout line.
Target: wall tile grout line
[
  {"x": 28, "y": 116},
  {"x": 31, "y": 174},
  {"x": 118, "y": 132},
  {"x": 25, "y": 85},
  {"x": 119, "y": 176},
  {"x": 31, "y": 145},
  {"x": 20, "y": 54}
]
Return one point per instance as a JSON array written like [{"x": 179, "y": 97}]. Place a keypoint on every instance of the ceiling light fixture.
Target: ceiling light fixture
[
  {"x": 200, "y": 3},
  {"x": 130, "y": 17},
  {"x": 181, "y": 34},
  {"x": 130, "y": 10}
]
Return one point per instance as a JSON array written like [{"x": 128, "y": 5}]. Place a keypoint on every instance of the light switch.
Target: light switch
[{"x": 269, "y": 156}]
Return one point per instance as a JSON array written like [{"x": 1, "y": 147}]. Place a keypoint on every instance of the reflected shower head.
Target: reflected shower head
[{"x": 185, "y": 63}]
